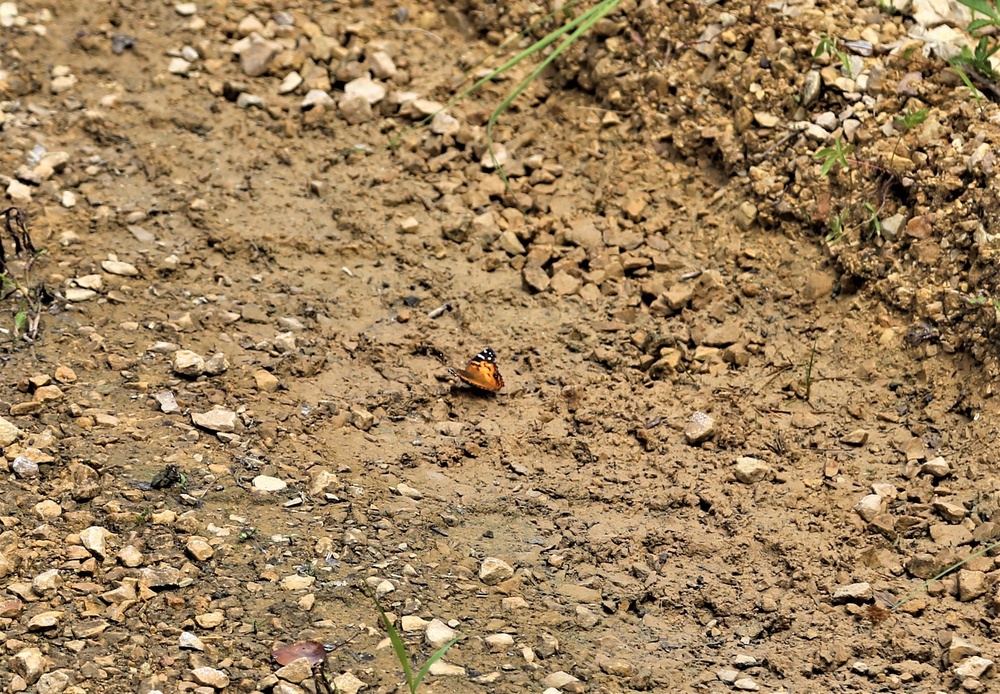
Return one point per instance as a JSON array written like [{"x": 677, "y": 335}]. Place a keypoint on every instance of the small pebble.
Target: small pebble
[
  {"x": 438, "y": 634},
  {"x": 699, "y": 429},
  {"x": 217, "y": 419},
  {"x": 750, "y": 470},
  {"x": 493, "y": 571},
  {"x": 269, "y": 484},
  {"x": 855, "y": 592}
]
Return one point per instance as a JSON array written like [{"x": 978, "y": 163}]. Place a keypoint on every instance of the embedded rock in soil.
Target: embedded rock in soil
[
  {"x": 24, "y": 467},
  {"x": 951, "y": 512},
  {"x": 365, "y": 87},
  {"x": 355, "y": 109},
  {"x": 189, "y": 641},
  {"x": 577, "y": 593},
  {"x": 362, "y": 419},
  {"x": 495, "y": 156},
  {"x": 971, "y": 585},
  {"x": 29, "y": 663},
  {"x": 210, "y": 677},
  {"x": 348, "y": 683},
  {"x": 216, "y": 419},
  {"x": 53, "y": 682},
  {"x": 750, "y": 470},
  {"x": 974, "y": 666},
  {"x": 266, "y": 483},
  {"x": 700, "y": 428},
  {"x": 217, "y": 364},
  {"x": 188, "y": 363},
  {"x": 256, "y": 56},
  {"x": 117, "y": 267},
  {"x": 160, "y": 576},
  {"x": 167, "y": 402},
  {"x": 723, "y": 336},
  {"x": 290, "y": 83},
  {"x": 563, "y": 283},
  {"x": 559, "y": 679},
  {"x": 94, "y": 540},
  {"x": 535, "y": 278},
  {"x": 317, "y": 98},
  {"x": 858, "y": 437},
  {"x": 728, "y": 676},
  {"x": 583, "y": 233},
  {"x": 19, "y": 194},
  {"x": 498, "y": 643},
  {"x": 8, "y": 433},
  {"x": 493, "y": 571},
  {"x": 869, "y": 507},
  {"x": 410, "y": 492},
  {"x": 199, "y": 549},
  {"x": 444, "y": 669},
  {"x": 960, "y": 648},
  {"x": 413, "y": 623},
  {"x": 950, "y": 535},
  {"x": 438, "y": 634},
  {"x": 43, "y": 621},
  {"x": 296, "y": 671},
  {"x": 266, "y": 381},
  {"x": 855, "y": 592},
  {"x": 46, "y": 582},
  {"x": 937, "y": 467}
]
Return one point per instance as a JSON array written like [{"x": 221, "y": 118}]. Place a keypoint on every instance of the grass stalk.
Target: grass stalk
[{"x": 399, "y": 647}]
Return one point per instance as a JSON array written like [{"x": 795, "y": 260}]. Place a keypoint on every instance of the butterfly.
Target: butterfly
[{"x": 482, "y": 372}]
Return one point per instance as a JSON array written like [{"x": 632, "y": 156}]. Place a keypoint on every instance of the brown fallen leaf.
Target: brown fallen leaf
[{"x": 313, "y": 651}]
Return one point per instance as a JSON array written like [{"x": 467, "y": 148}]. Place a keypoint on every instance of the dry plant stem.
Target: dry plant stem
[
  {"x": 27, "y": 319},
  {"x": 923, "y": 586}
]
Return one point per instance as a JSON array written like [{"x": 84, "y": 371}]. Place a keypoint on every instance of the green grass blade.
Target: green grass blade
[
  {"x": 527, "y": 30},
  {"x": 982, "y": 7},
  {"x": 575, "y": 27},
  {"x": 436, "y": 656},
  {"x": 944, "y": 573},
  {"x": 510, "y": 63},
  {"x": 954, "y": 63},
  {"x": 539, "y": 45},
  {"x": 397, "y": 642},
  {"x": 585, "y": 22}
]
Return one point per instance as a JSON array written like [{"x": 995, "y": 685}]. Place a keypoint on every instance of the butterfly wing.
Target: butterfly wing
[{"x": 482, "y": 372}]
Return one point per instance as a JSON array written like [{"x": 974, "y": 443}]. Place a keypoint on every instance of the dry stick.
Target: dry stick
[
  {"x": 767, "y": 152},
  {"x": 415, "y": 29},
  {"x": 809, "y": 369}
]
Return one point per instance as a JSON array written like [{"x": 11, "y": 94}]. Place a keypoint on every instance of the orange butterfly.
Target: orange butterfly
[{"x": 482, "y": 372}]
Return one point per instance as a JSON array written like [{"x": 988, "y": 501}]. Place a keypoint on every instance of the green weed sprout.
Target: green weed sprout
[
  {"x": 836, "y": 233},
  {"x": 399, "y": 647},
  {"x": 29, "y": 313},
  {"x": 829, "y": 45},
  {"x": 874, "y": 223},
  {"x": 569, "y": 32},
  {"x": 979, "y": 58},
  {"x": 911, "y": 119},
  {"x": 989, "y": 11},
  {"x": 888, "y": 6},
  {"x": 832, "y": 156}
]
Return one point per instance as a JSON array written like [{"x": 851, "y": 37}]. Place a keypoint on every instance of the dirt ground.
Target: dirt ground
[{"x": 729, "y": 437}]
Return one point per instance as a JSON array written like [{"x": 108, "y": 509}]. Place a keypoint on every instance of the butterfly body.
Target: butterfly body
[{"x": 482, "y": 372}]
